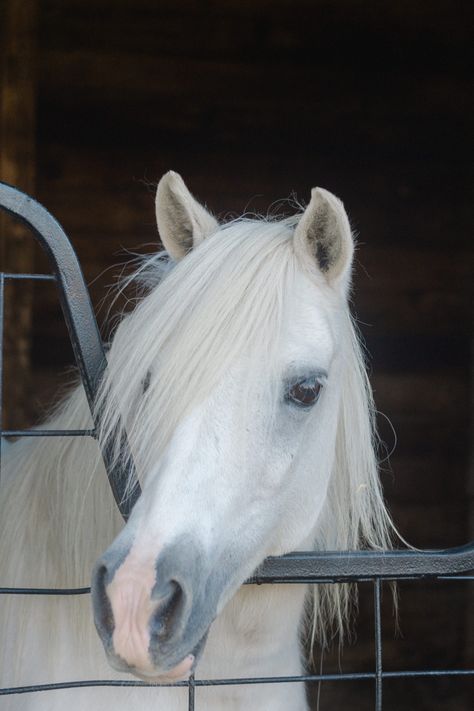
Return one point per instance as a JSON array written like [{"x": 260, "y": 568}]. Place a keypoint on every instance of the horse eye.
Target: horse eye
[{"x": 304, "y": 393}]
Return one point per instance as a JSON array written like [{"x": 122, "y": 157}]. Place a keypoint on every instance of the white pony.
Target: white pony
[{"x": 241, "y": 385}]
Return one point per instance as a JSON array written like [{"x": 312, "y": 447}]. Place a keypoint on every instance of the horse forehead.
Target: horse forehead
[{"x": 310, "y": 325}]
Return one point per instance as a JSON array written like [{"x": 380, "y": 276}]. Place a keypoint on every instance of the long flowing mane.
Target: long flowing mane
[{"x": 56, "y": 511}]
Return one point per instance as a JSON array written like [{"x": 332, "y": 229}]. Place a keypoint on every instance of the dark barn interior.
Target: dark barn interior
[{"x": 251, "y": 101}]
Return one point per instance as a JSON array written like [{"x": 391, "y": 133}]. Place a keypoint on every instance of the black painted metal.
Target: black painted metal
[
  {"x": 311, "y": 567},
  {"x": 364, "y": 565},
  {"x": 77, "y": 309},
  {"x": 242, "y": 681},
  {"x": 378, "y": 645}
]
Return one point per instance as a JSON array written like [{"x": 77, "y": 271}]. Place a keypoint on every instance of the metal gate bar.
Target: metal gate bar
[
  {"x": 242, "y": 681},
  {"x": 311, "y": 567},
  {"x": 78, "y": 314}
]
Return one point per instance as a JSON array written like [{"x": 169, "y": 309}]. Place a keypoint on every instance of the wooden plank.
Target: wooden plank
[
  {"x": 240, "y": 85},
  {"x": 17, "y": 167},
  {"x": 237, "y": 25},
  {"x": 431, "y": 525},
  {"x": 436, "y": 396},
  {"x": 469, "y": 617},
  {"x": 433, "y": 477}
]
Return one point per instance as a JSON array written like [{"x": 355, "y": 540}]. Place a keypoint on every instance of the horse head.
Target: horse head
[{"x": 231, "y": 378}]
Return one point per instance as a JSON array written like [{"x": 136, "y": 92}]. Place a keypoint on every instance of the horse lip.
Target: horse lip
[
  {"x": 198, "y": 650},
  {"x": 121, "y": 666},
  {"x": 196, "y": 653},
  {"x": 163, "y": 677}
]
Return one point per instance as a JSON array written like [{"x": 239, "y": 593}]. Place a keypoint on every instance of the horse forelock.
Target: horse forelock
[{"x": 224, "y": 300}]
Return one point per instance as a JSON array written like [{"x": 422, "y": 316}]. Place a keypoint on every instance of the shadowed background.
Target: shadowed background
[{"x": 250, "y": 101}]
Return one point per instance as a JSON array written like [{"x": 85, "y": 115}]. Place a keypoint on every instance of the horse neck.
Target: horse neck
[
  {"x": 257, "y": 633},
  {"x": 60, "y": 512}
]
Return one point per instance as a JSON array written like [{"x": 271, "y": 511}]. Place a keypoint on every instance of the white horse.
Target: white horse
[{"x": 241, "y": 385}]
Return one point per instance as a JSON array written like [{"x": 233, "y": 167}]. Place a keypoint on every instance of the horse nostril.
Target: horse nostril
[
  {"x": 103, "y": 615},
  {"x": 169, "y": 611}
]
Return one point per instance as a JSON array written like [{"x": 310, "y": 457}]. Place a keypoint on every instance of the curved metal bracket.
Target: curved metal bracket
[{"x": 77, "y": 310}]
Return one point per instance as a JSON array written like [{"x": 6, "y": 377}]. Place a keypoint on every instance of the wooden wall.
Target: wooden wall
[{"x": 251, "y": 100}]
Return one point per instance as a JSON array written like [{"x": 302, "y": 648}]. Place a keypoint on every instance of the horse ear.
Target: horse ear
[
  {"x": 324, "y": 235},
  {"x": 182, "y": 222}
]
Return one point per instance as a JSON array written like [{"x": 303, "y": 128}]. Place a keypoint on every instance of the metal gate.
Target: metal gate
[{"x": 326, "y": 567}]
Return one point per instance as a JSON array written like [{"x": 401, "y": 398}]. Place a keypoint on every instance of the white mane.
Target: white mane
[
  {"x": 226, "y": 298},
  {"x": 56, "y": 510}
]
